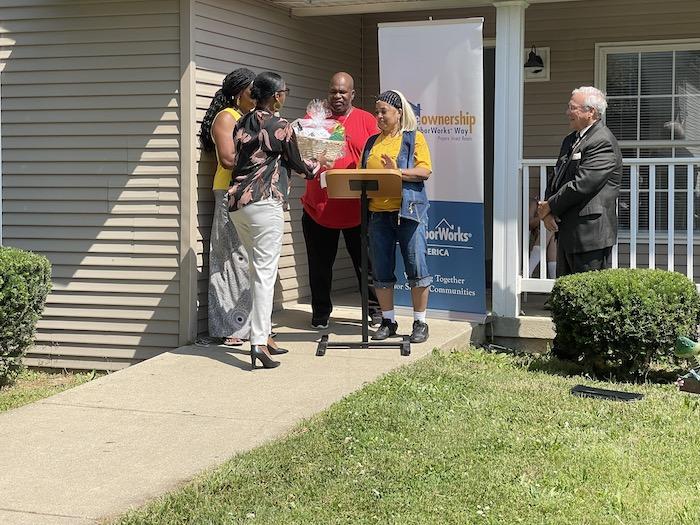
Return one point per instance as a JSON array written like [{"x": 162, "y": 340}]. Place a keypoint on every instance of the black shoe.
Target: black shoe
[
  {"x": 375, "y": 318},
  {"x": 420, "y": 332},
  {"x": 276, "y": 351},
  {"x": 319, "y": 324},
  {"x": 387, "y": 329},
  {"x": 266, "y": 360}
]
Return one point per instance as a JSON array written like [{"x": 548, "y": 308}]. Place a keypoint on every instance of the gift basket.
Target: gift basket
[{"x": 319, "y": 133}]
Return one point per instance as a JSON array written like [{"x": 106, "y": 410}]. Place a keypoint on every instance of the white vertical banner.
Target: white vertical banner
[{"x": 438, "y": 65}]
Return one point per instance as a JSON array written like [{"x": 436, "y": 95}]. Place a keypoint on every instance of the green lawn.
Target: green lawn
[
  {"x": 31, "y": 386},
  {"x": 463, "y": 438}
]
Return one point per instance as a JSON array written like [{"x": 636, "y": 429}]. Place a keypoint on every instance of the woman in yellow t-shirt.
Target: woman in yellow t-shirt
[
  {"x": 400, "y": 145},
  {"x": 229, "y": 289}
]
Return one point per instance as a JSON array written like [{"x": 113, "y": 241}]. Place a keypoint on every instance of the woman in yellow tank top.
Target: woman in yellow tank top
[{"x": 229, "y": 295}]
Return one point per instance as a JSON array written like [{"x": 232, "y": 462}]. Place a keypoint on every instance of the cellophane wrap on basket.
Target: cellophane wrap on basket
[{"x": 319, "y": 133}]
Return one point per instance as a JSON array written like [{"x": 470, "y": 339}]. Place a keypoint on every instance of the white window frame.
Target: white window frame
[{"x": 603, "y": 49}]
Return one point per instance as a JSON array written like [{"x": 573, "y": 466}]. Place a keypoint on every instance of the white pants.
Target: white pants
[{"x": 260, "y": 226}]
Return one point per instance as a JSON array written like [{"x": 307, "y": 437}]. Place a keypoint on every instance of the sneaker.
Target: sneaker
[
  {"x": 387, "y": 329},
  {"x": 420, "y": 332},
  {"x": 375, "y": 318},
  {"x": 319, "y": 324},
  {"x": 204, "y": 341}
]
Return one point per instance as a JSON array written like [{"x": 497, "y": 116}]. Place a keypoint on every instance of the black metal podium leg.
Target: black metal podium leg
[{"x": 365, "y": 265}]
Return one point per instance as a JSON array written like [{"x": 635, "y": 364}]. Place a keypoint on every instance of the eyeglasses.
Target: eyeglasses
[
  {"x": 575, "y": 107},
  {"x": 286, "y": 90}
]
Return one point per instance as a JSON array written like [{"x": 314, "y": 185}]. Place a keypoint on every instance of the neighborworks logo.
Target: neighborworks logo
[
  {"x": 445, "y": 231},
  {"x": 445, "y": 237}
]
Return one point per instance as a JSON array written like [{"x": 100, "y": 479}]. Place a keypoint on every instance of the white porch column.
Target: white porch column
[{"x": 508, "y": 132}]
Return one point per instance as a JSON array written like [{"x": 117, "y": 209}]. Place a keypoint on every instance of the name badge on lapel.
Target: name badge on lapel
[{"x": 576, "y": 156}]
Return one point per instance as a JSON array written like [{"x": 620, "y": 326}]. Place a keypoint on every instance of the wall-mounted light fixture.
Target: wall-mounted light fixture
[
  {"x": 534, "y": 63},
  {"x": 537, "y": 64}
]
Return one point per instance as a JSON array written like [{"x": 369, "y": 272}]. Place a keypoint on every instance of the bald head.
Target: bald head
[
  {"x": 344, "y": 78},
  {"x": 341, "y": 92}
]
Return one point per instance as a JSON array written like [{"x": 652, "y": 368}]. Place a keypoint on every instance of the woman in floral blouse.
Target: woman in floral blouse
[{"x": 262, "y": 142}]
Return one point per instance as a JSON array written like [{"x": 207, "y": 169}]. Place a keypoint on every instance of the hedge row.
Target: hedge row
[
  {"x": 25, "y": 281},
  {"x": 619, "y": 322}
]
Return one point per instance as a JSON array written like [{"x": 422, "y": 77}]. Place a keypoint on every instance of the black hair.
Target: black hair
[
  {"x": 265, "y": 85},
  {"x": 234, "y": 83},
  {"x": 392, "y": 98}
]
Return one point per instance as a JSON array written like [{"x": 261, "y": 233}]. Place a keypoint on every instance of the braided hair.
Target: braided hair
[
  {"x": 234, "y": 83},
  {"x": 398, "y": 100}
]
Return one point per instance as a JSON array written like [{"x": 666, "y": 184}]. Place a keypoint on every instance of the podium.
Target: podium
[{"x": 365, "y": 184}]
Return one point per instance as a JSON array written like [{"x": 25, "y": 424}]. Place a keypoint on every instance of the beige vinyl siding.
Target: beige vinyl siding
[
  {"x": 91, "y": 176},
  {"x": 306, "y": 52}
]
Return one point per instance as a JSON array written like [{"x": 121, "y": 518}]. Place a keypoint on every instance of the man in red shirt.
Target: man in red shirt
[{"x": 325, "y": 218}]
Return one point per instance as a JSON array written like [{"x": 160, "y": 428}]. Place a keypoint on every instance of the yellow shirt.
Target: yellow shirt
[
  {"x": 391, "y": 146},
  {"x": 222, "y": 177}
]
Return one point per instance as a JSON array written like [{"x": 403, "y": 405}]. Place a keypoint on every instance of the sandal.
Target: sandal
[{"x": 232, "y": 341}]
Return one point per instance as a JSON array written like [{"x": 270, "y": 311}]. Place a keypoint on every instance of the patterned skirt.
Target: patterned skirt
[{"x": 230, "y": 299}]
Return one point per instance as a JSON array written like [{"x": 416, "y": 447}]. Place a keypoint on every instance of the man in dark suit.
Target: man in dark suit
[{"x": 581, "y": 196}]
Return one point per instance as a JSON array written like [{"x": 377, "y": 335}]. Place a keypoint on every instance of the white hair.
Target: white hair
[
  {"x": 408, "y": 117},
  {"x": 594, "y": 99}
]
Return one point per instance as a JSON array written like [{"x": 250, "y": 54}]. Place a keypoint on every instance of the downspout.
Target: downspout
[{"x": 188, "y": 177}]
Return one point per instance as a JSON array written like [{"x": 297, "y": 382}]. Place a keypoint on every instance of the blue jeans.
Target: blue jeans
[{"x": 384, "y": 232}]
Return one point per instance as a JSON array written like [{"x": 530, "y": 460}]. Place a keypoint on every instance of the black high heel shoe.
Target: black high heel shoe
[
  {"x": 266, "y": 360},
  {"x": 276, "y": 351}
]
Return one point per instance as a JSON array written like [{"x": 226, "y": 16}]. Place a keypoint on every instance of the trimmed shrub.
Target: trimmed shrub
[
  {"x": 618, "y": 322},
  {"x": 25, "y": 281}
]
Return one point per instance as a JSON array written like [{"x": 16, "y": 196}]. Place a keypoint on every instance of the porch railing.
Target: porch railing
[{"x": 656, "y": 218}]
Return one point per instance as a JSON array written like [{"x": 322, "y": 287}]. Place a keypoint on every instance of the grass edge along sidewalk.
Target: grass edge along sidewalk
[
  {"x": 31, "y": 386},
  {"x": 466, "y": 437}
]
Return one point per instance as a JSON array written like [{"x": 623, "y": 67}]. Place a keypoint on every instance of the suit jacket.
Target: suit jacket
[{"x": 583, "y": 191}]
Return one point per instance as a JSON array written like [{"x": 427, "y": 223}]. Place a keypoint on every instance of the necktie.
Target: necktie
[{"x": 576, "y": 142}]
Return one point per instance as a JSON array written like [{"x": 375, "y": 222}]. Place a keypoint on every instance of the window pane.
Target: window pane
[
  {"x": 687, "y": 151},
  {"x": 621, "y": 118},
  {"x": 686, "y": 125},
  {"x": 661, "y": 210},
  {"x": 688, "y": 72},
  {"x": 657, "y": 77},
  {"x": 655, "y": 119},
  {"x": 655, "y": 153},
  {"x": 626, "y": 174},
  {"x": 623, "y": 74},
  {"x": 662, "y": 177},
  {"x": 643, "y": 211},
  {"x": 681, "y": 214},
  {"x": 623, "y": 210},
  {"x": 629, "y": 153}
]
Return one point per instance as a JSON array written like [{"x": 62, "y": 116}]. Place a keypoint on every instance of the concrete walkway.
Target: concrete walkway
[{"x": 93, "y": 452}]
